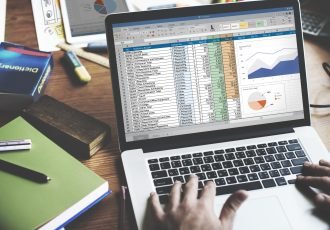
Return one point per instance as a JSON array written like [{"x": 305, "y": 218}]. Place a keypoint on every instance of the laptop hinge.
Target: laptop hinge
[{"x": 227, "y": 137}]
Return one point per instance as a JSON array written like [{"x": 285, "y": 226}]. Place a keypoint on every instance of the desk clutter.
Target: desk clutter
[{"x": 25, "y": 204}]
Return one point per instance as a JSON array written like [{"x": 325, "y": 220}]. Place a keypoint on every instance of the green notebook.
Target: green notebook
[{"x": 28, "y": 205}]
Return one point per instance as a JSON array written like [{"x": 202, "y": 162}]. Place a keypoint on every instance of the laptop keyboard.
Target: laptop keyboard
[{"x": 246, "y": 167}]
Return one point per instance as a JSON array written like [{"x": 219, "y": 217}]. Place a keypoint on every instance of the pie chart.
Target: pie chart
[
  {"x": 257, "y": 101},
  {"x": 100, "y": 7}
]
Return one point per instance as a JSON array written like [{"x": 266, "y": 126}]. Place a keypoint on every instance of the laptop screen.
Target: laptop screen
[{"x": 212, "y": 72}]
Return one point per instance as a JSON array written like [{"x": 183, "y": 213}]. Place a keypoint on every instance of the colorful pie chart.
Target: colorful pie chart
[{"x": 257, "y": 101}]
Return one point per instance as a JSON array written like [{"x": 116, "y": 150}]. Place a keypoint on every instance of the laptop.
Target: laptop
[{"x": 219, "y": 91}]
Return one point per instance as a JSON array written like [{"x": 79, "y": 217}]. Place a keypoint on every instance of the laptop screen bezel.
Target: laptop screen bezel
[{"x": 208, "y": 136}]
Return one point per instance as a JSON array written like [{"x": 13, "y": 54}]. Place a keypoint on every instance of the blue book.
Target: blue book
[{"x": 24, "y": 73}]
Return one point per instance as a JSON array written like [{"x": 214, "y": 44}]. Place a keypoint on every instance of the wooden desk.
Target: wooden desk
[{"x": 95, "y": 99}]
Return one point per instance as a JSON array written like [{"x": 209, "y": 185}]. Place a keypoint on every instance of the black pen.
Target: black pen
[
  {"x": 23, "y": 172},
  {"x": 97, "y": 47}
]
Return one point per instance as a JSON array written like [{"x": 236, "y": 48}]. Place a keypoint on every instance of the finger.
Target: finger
[
  {"x": 208, "y": 193},
  {"x": 322, "y": 183},
  {"x": 156, "y": 207},
  {"x": 315, "y": 170},
  {"x": 322, "y": 201},
  {"x": 230, "y": 208},
  {"x": 175, "y": 194},
  {"x": 190, "y": 189},
  {"x": 324, "y": 163}
]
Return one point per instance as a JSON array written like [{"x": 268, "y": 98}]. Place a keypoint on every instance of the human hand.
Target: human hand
[
  {"x": 192, "y": 213},
  {"x": 317, "y": 176}
]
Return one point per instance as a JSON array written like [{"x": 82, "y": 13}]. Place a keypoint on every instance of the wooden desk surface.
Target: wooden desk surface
[{"x": 95, "y": 99}]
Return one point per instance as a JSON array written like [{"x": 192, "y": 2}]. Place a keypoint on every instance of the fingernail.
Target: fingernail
[
  {"x": 177, "y": 182},
  {"x": 299, "y": 177},
  {"x": 307, "y": 163},
  {"x": 320, "y": 197},
  {"x": 193, "y": 176},
  {"x": 152, "y": 193}
]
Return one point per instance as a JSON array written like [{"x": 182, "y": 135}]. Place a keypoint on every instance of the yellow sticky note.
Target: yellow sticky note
[{"x": 243, "y": 25}]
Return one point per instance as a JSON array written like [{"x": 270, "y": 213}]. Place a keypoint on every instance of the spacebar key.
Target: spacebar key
[{"x": 233, "y": 188}]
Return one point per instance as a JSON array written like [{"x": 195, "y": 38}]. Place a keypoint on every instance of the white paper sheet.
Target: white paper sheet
[
  {"x": 48, "y": 23},
  {"x": 2, "y": 19}
]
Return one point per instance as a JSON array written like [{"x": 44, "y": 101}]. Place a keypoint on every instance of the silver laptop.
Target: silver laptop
[{"x": 219, "y": 91}]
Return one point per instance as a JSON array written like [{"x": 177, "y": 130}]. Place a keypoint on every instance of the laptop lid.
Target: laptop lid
[{"x": 206, "y": 74}]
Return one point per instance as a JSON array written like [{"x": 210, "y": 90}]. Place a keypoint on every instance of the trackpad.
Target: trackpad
[{"x": 262, "y": 213}]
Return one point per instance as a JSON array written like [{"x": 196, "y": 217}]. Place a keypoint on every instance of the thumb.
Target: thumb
[
  {"x": 322, "y": 201},
  {"x": 230, "y": 208}
]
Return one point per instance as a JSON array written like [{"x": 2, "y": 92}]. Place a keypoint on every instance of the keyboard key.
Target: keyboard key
[
  {"x": 163, "y": 199},
  {"x": 173, "y": 172},
  {"x": 241, "y": 178},
  {"x": 211, "y": 175},
  {"x": 222, "y": 173},
  {"x": 294, "y": 147},
  {"x": 176, "y": 164},
  {"x": 163, "y": 181},
  {"x": 259, "y": 160},
  {"x": 198, "y": 161},
  {"x": 186, "y": 156},
  {"x": 268, "y": 183},
  {"x": 265, "y": 167},
  {"x": 276, "y": 165},
  {"x": 281, "y": 149},
  {"x": 240, "y": 155},
  {"x": 271, "y": 144},
  {"x": 231, "y": 180},
  {"x": 163, "y": 159},
  {"x": 152, "y": 161},
  {"x": 154, "y": 167},
  {"x": 218, "y": 158},
  {"x": 248, "y": 161},
  {"x": 263, "y": 175},
  {"x": 280, "y": 181},
  {"x": 227, "y": 164},
  {"x": 296, "y": 169},
  {"x": 269, "y": 158},
  {"x": 255, "y": 168},
  {"x": 184, "y": 171},
  {"x": 271, "y": 150},
  {"x": 195, "y": 169},
  {"x": 292, "y": 181},
  {"x": 293, "y": 141},
  {"x": 238, "y": 163},
  {"x": 216, "y": 166},
  {"x": 230, "y": 150},
  {"x": 159, "y": 174},
  {"x": 243, "y": 170},
  {"x": 179, "y": 178},
  {"x": 274, "y": 173},
  {"x": 280, "y": 156},
  {"x": 290, "y": 155},
  {"x": 233, "y": 188},
  {"x": 283, "y": 143},
  {"x": 174, "y": 158},
  {"x": 201, "y": 176},
  {"x": 240, "y": 148},
  {"x": 300, "y": 153},
  {"x": 286, "y": 163},
  {"x": 206, "y": 167},
  {"x": 187, "y": 162},
  {"x": 208, "y": 159},
  {"x": 299, "y": 161},
  {"x": 251, "y": 147},
  {"x": 220, "y": 181},
  {"x": 229, "y": 156},
  {"x": 163, "y": 190},
  {"x": 221, "y": 151},
  {"x": 165, "y": 165},
  {"x": 197, "y": 154},
  {"x": 261, "y": 152},
  {"x": 233, "y": 171},
  {"x": 208, "y": 153},
  {"x": 250, "y": 153},
  {"x": 262, "y": 146},
  {"x": 253, "y": 176},
  {"x": 285, "y": 172}
]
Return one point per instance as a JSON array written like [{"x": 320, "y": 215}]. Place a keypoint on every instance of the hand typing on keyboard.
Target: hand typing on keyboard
[
  {"x": 187, "y": 211},
  {"x": 318, "y": 176}
]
